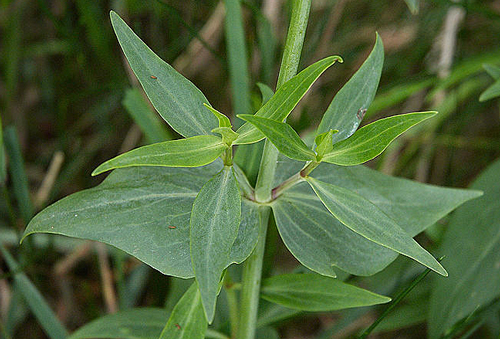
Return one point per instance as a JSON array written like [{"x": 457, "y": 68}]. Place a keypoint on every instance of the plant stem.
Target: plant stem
[
  {"x": 289, "y": 66},
  {"x": 232, "y": 302},
  {"x": 252, "y": 270}
]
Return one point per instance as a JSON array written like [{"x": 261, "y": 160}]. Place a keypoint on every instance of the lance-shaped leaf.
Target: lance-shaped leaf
[
  {"x": 285, "y": 99},
  {"x": 191, "y": 152},
  {"x": 366, "y": 219},
  {"x": 350, "y": 104},
  {"x": 283, "y": 136},
  {"x": 324, "y": 143},
  {"x": 316, "y": 293},
  {"x": 491, "y": 92},
  {"x": 223, "y": 119},
  {"x": 145, "y": 212},
  {"x": 177, "y": 100},
  {"x": 215, "y": 219},
  {"x": 187, "y": 320},
  {"x": 266, "y": 92},
  {"x": 320, "y": 242},
  {"x": 471, "y": 245},
  {"x": 372, "y": 139}
]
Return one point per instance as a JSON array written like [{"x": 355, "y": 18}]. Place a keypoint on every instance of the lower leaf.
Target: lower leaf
[
  {"x": 316, "y": 293},
  {"x": 187, "y": 320},
  {"x": 215, "y": 219}
]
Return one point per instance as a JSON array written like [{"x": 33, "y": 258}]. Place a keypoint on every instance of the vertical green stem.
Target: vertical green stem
[
  {"x": 252, "y": 271},
  {"x": 289, "y": 66},
  {"x": 252, "y": 275}
]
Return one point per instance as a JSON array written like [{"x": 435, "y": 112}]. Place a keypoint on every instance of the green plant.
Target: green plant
[{"x": 180, "y": 209}]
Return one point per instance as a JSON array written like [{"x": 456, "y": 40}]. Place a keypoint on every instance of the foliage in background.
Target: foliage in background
[{"x": 62, "y": 84}]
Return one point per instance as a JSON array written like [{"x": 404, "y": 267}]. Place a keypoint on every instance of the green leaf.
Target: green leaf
[
  {"x": 3, "y": 165},
  {"x": 492, "y": 70},
  {"x": 372, "y": 139},
  {"x": 34, "y": 299},
  {"x": 324, "y": 142},
  {"x": 413, "y": 5},
  {"x": 17, "y": 172},
  {"x": 471, "y": 246},
  {"x": 223, "y": 119},
  {"x": 148, "y": 121},
  {"x": 316, "y": 293},
  {"x": 215, "y": 219},
  {"x": 266, "y": 92},
  {"x": 350, "y": 104},
  {"x": 366, "y": 219},
  {"x": 177, "y": 100},
  {"x": 145, "y": 212},
  {"x": 139, "y": 323},
  {"x": 191, "y": 152},
  {"x": 187, "y": 320},
  {"x": 228, "y": 135},
  {"x": 319, "y": 241},
  {"x": 491, "y": 92},
  {"x": 286, "y": 98},
  {"x": 283, "y": 136}
]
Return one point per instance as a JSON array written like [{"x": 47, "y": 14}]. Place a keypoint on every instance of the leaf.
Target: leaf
[
  {"x": 283, "y": 136},
  {"x": 228, "y": 135},
  {"x": 319, "y": 241},
  {"x": 471, "y": 246},
  {"x": 145, "y": 212},
  {"x": 175, "y": 98},
  {"x": 350, "y": 103},
  {"x": 148, "y": 121},
  {"x": 191, "y": 152},
  {"x": 187, "y": 320},
  {"x": 491, "y": 92},
  {"x": 215, "y": 219},
  {"x": 285, "y": 99},
  {"x": 363, "y": 217},
  {"x": 324, "y": 142},
  {"x": 138, "y": 323},
  {"x": 316, "y": 293},
  {"x": 34, "y": 299},
  {"x": 223, "y": 119},
  {"x": 17, "y": 170},
  {"x": 413, "y": 5},
  {"x": 492, "y": 70},
  {"x": 266, "y": 92},
  {"x": 372, "y": 139}
]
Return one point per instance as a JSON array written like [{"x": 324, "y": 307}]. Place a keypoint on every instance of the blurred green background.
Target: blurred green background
[{"x": 63, "y": 80}]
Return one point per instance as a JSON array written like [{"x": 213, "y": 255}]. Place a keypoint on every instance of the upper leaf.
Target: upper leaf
[
  {"x": 215, "y": 219},
  {"x": 223, "y": 119},
  {"x": 316, "y": 293},
  {"x": 350, "y": 104},
  {"x": 191, "y": 152},
  {"x": 283, "y": 136},
  {"x": 266, "y": 92},
  {"x": 324, "y": 142},
  {"x": 285, "y": 99},
  {"x": 177, "y": 100},
  {"x": 145, "y": 212},
  {"x": 363, "y": 217},
  {"x": 319, "y": 241},
  {"x": 471, "y": 245},
  {"x": 187, "y": 320},
  {"x": 372, "y": 139}
]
